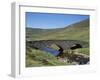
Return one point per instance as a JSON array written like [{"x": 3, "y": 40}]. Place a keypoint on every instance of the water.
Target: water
[{"x": 52, "y": 51}]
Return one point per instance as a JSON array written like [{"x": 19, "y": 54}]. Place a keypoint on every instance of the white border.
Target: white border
[{"x": 18, "y": 40}]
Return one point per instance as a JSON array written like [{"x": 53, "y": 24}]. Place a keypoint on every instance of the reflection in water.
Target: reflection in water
[{"x": 52, "y": 51}]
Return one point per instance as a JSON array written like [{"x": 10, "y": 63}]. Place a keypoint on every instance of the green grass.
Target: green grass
[
  {"x": 38, "y": 58},
  {"x": 84, "y": 51}
]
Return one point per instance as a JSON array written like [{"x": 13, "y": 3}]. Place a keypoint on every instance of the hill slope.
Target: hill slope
[{"x": 76, "y": 31}]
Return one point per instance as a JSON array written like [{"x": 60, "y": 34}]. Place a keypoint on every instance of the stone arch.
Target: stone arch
[
  {"x": 58, "y": 47},
  {"x": 76, "y": 46}
]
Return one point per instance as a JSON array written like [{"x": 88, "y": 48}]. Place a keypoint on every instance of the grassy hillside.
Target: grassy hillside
[
  {"x": 41, "y": 58},
  {"x": 76, "y": 31}
]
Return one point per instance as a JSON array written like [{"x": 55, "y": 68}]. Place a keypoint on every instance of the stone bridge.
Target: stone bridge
[{"x": 62, "y": 44}]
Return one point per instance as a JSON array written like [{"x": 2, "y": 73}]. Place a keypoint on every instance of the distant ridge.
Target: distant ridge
[{"x": 76, "y": 31}]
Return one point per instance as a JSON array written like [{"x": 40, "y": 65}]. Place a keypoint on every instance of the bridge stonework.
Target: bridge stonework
[{"x": 64, "y": 44}]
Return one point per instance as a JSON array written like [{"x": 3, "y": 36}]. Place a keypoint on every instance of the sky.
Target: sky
[{"x": 52, "y": 20}]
